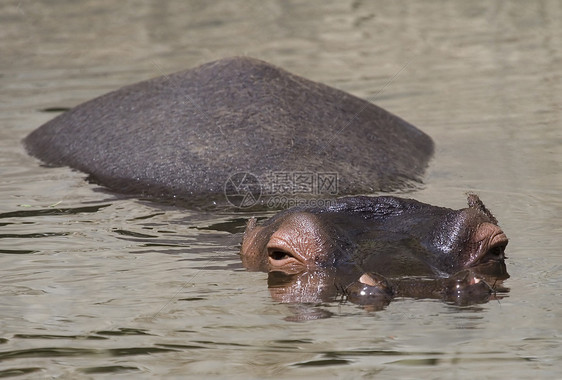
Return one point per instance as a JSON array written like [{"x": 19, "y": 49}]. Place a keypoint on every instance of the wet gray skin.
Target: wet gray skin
[
  {"x": 372, "y": 249},
  {"x": 181, "y": 136}
]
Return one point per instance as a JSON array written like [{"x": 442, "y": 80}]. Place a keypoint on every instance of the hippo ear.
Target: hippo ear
[
  {"x": 251, "y": 251},
  {"x": 249, "y": 233},
  {"x": 252, "y": 223},
  {"x": 475, "y": 203}
]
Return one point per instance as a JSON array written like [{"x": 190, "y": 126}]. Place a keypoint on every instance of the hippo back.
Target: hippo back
[{"x": 182, "y": 135}]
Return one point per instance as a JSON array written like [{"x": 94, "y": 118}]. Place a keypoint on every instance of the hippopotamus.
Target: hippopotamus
[
  {"x": 182, "y": 136},
  {"x": 373, "y": 249}
]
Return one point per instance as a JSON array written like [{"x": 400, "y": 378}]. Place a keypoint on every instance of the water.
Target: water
[{"x": 96, "y": 285}]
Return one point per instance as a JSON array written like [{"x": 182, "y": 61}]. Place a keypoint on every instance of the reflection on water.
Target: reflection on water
[
  {"x": 374, "y": 292},
  {"x": 94, "y": 284}
]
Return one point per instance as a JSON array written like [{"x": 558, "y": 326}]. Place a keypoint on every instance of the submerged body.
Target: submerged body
[
  {"x": 383, "y": 245},
  {"x": 183, "y": 135}
]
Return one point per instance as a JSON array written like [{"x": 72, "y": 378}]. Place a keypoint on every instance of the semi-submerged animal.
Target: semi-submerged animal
[
  {"x": 182, "y": 136},
  {"x": 372, "y": 249}
]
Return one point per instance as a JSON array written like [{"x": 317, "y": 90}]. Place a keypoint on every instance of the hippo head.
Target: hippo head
[
  {"x": 469, "y": 238},
  {"x": 377, "y": 233}
]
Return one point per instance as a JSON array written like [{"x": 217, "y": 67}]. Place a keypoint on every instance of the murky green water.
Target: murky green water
[{"x": 97, "y": 285}]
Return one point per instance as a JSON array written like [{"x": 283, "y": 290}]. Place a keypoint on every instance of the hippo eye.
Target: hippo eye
[
  {"x": 278, "y": 254},
  {"x": 496, "y": 252}
]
